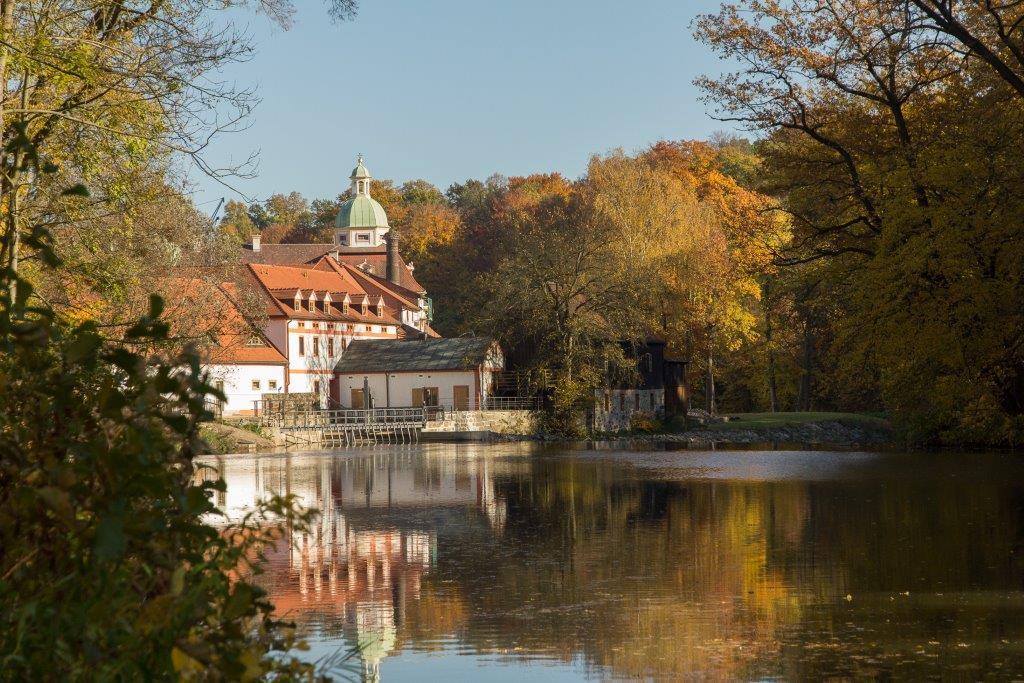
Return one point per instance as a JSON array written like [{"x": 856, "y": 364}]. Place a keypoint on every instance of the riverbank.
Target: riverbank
[
  {"x": 844, "y": 430},
  {"x": 224, "y": 438}
]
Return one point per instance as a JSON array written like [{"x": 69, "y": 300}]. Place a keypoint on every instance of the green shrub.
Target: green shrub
[{"x": 110, "y": 567}]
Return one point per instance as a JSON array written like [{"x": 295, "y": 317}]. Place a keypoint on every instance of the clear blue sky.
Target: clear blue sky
[{"x": 453, "y": 89}]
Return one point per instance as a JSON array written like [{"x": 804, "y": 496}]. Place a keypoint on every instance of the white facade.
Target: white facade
[
  {"x": 467, "y": 388},
  {"x": 244, "y": 384},
  {"x": 311, "y": 361}
]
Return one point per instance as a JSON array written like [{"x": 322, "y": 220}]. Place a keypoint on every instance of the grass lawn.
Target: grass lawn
[{"x": 763, "y": 420}]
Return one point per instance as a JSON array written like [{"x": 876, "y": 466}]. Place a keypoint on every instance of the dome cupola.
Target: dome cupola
[{"x": 361, "y": 221}]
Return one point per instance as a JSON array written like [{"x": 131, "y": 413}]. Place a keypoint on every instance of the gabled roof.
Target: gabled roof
[
  {"x": 232, "y": 346},
  {"x": 280, "y": 283},
  {"x": 300, "y": 254},
  {"x": 422, "y": 355}
]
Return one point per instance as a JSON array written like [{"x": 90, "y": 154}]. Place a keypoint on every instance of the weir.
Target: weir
[{"x": 346, "y": 427}]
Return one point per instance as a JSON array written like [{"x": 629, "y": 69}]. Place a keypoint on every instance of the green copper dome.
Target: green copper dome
[{"x": 362, "y": 211}]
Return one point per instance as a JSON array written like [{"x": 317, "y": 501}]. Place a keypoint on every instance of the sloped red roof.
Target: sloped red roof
[
  {"x": 374, "y": 258},
  {"x": 376, "y": 263},
  {"x": 281, "y": 282},
  {"x": 236, "y": 341}
]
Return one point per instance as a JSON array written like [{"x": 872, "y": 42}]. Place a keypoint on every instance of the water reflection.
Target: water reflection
[{"x": 653, "y": 565}]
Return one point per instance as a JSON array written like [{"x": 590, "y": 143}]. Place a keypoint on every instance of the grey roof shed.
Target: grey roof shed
[{"x": 386, "y": 355}]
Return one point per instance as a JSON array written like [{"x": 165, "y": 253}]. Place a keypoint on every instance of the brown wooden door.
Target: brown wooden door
[
  {"x": 417, "y": 398},
  {"x": 461, "y": 395},
  {"x": 357, "y": 399}
]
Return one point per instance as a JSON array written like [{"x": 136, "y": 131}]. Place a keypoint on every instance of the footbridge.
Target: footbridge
[{"x": 347, "y": 427}]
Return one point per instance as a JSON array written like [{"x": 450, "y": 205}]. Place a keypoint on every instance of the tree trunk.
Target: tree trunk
[
  {"x": 806, "y": 369},
  {"x": 710, "y": 392},
  {"x": 773, "y": 394}
]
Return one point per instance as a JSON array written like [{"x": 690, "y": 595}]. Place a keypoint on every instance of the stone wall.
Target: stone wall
[
  {"x": 615, "y": 409},
  {"x": 507, "y": 422}
]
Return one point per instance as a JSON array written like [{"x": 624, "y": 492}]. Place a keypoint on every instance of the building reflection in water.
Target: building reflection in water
[
  {"x": 364, "y": 560},
  {"x": 873, "y": 568}
]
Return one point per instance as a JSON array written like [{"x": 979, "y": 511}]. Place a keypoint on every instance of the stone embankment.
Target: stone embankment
[
  {"x": 481, "y": 425},
  {"x": 826, "y": 433}
]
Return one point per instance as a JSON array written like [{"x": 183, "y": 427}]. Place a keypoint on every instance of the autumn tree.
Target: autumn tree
[{"x": 892, "y": 143}]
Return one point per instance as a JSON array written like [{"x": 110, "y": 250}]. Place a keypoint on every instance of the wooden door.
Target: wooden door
[
  {"x": 357, "y": 399},
  {"x": 461, "y": 395},
  {"x": 417, "y": 398}
]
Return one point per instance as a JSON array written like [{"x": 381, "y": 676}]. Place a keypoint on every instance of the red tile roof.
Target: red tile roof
[
  {"x": 374, "y": 258},
  {"x": 239, "y": 342},
  {"x": 281, "y": 282}
]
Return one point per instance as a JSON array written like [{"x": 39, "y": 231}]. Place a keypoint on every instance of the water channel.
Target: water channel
[{"x": 513, "y": 562}]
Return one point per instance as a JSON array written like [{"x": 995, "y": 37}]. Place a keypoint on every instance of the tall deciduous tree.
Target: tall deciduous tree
[{"x": 896, "y": 158}]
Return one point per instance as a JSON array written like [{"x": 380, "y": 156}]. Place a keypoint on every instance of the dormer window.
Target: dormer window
[
  {"x": 298, "y": 301},
  {"x": 254, "y": 340},
  {"x": 380, "y": 307},
  {"x": 312, "y": 302}
]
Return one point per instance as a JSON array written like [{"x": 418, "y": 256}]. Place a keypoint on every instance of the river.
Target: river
[{"x": 514, "y": 562}]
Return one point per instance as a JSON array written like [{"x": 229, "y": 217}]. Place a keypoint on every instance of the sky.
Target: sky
[{"x": 447, "y": 90}]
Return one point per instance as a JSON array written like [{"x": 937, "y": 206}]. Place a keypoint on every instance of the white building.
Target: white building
[
  {"x": 456, "y": 373},
  {"x": 323, "y": 301}
]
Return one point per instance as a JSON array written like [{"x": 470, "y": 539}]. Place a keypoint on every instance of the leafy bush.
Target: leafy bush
[
  {"x": 110, "y": 568},
  {"x": 645, "y": 422}
]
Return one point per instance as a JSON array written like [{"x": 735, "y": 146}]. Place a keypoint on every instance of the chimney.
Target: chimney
[
  {"x": 393, "y": 263},
  {"x": 256, "y": 242}
]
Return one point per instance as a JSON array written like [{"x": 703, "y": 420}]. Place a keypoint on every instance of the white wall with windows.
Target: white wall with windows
[
  {"x": 243, "y": 384},
  {"x": 456, "y": 388}
]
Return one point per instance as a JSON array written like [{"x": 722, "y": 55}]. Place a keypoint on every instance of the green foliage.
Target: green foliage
[{"x": 112, "y": 567}]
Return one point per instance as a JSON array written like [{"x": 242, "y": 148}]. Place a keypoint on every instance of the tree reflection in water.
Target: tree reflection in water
[{"x": 909, "y": 567}]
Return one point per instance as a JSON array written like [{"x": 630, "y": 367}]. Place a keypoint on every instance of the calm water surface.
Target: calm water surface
[{"x": 519, "y": 562}]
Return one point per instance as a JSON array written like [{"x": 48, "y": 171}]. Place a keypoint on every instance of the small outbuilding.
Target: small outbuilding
[{"x": 455, "y": 373}]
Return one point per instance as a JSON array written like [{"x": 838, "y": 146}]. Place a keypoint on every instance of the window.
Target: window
[
  {"x": 363, "y": 237},
  {"x": 425, "y": 396},
  {"x": 316, "y": 346},
  {"x": 330, "y": 346},
  {"x": 636, "y": 400},
  {"x": 272, "y": 384},
  {"x": 255, "y": 385},
  {"x": 254, "y": 341},
  {"x": 316, "y": 387},
  {"x": 302, "y": 346}
]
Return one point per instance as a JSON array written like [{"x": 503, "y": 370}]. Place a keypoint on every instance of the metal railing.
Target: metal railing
[
  {"x": 511, "y": 403},
  {"x": 489, "y": 403},
  {"x": 342, "y": 418}
]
